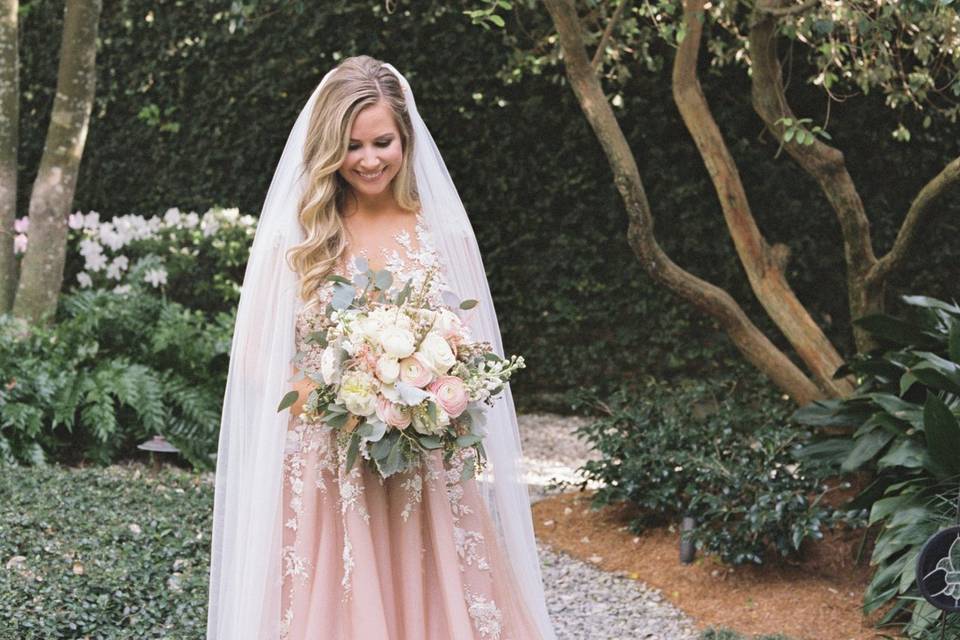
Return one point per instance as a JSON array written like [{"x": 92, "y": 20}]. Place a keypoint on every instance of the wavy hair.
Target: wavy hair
[{"x": 358, "y": 82}]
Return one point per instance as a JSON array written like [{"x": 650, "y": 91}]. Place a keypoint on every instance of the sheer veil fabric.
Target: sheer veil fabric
[{"x": 245, "y": 564}]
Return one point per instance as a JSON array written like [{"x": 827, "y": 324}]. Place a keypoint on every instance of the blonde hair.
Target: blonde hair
[{"x": 357, "y": 82}]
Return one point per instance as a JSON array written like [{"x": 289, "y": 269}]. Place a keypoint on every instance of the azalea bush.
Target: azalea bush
[
  {"x": 140, "y": 345},
  {"x": 901, "y": 427},
  {"x": 698, "y": 448}
]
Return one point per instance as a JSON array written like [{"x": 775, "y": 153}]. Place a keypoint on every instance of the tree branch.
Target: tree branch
[
  {"x": 761, "y": 263},
  {"x": 607, "y": 33},
  {"x": 920, "y": 209},
  {"x": 710, "y": 299},
  {"x": 824, "y": 163},
  {"x": 780, "y": 11}
]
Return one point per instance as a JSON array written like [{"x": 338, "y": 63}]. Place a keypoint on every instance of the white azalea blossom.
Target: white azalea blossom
[{"x": 156, "y": 276}]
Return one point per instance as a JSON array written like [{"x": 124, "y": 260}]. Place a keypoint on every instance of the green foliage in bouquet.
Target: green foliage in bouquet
[
  {"x": 113, "y": 371},
  {"x": 677, "y": 450},
  {"x": 900, "y": 425},
  {"x": 391, "y": 449}
]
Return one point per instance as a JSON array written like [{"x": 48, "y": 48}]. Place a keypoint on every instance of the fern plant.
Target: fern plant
[{"x": 114, "y": 370}]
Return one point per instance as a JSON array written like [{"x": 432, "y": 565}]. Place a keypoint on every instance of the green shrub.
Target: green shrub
[
  {"x": 901, "y": 425},
  {"x": 698, "y": 449}
]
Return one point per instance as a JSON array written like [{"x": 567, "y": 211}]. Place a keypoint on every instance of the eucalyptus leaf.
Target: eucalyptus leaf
[
  {"x": 288, "y": 399},
  {"x": 383, "y": 279},
  {"x": 339, "y": 420},
  {"x": 468, "y": 440},
  {"x": 468, "y": 304},
  {"x": 343, "y": 296},
  {"x": 450, "y": 298},
  {"x": 391, "y": 464}
]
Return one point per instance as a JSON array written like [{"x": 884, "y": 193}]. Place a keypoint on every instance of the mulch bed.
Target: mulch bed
[{"x": 815, "y": 598}]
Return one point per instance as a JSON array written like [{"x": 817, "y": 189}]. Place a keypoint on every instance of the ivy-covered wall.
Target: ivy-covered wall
[{"x": 191, "y": 112}]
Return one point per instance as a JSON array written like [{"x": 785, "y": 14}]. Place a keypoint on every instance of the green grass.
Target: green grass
[{"x": 116, "y": 552}]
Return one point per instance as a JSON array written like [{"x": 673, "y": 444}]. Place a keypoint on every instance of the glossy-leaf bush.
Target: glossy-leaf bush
[{"x": 699, "y": 449}]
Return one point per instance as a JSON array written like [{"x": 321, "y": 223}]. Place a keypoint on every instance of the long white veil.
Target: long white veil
[{"x": 245, "y": 563}]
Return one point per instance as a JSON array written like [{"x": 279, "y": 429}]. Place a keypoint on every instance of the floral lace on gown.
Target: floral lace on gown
[{"x": 412, "y": 557}]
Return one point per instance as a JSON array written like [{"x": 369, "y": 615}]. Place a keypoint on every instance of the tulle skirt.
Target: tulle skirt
[{"x": 412, "y": 557}]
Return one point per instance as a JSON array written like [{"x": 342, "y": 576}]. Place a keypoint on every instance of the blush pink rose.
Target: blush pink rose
[
  {"x": 451, "y": 394},
  {"x": 415, "y": 371},
  {"x": 393, "y": 414}
]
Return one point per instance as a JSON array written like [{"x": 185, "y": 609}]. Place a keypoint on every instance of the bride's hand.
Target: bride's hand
[{"x": 303, "y": 387}]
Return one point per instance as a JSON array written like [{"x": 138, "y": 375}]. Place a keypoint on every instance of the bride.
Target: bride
[{"x": 302, "y": 548}]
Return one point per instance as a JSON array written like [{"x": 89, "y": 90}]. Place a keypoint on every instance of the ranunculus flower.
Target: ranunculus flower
[
  {"x": 397, "y": 342},
  {"x": 393, "y": 414},
  {"x": 451, "y": 394},
  {"x": 388, "y": 369},
  {"x": 415, "y": 371},
  {"x": 358, "y": 393},
  {"x": 448, "y": 323},
  {"x": 437, "y": 353}
]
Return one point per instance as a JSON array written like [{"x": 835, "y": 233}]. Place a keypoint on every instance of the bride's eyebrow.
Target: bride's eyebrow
[{"x": 379, "y": 137}]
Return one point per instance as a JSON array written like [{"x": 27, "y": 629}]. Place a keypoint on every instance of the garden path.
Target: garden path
[{"x": 586, "y": 603}]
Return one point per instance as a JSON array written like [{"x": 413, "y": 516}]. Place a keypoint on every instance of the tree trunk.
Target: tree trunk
[
  {"x": 9, "y": 122},
  {"x": 41, "y": 275},
  {"x": 710, "y": 299},
  {"x": 764, "y": 265}
]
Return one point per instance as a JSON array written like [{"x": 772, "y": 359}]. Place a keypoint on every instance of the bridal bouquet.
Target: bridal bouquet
[{"x": 399, "y": 377}]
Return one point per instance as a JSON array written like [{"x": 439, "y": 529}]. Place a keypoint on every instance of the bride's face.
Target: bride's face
[{"x": 375, "y": 152}]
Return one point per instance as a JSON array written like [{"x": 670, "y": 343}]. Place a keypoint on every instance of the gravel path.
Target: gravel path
[{"x": 584, "y": 602}]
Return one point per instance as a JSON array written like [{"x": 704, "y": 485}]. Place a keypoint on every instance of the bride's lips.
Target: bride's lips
[{"x": 373, "y": 178}]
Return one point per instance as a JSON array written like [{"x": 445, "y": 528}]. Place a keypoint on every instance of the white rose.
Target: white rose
[
  {"x": 388, "y": 316},
  {"x": 396, "y": 342},
  {"x": 358, "y": 393},
  {"x": 330, "y": 365},
  {"x": 436, "y": 352},
  {"x": 388, "y": 369},
  {"x": 369, "y": 328}
]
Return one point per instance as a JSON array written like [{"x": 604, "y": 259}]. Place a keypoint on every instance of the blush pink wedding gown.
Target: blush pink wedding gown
[{"x": 412, "y": 557}]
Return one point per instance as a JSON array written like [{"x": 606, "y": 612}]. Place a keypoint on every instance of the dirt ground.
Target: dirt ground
[{"x": 816, "y": 598}]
